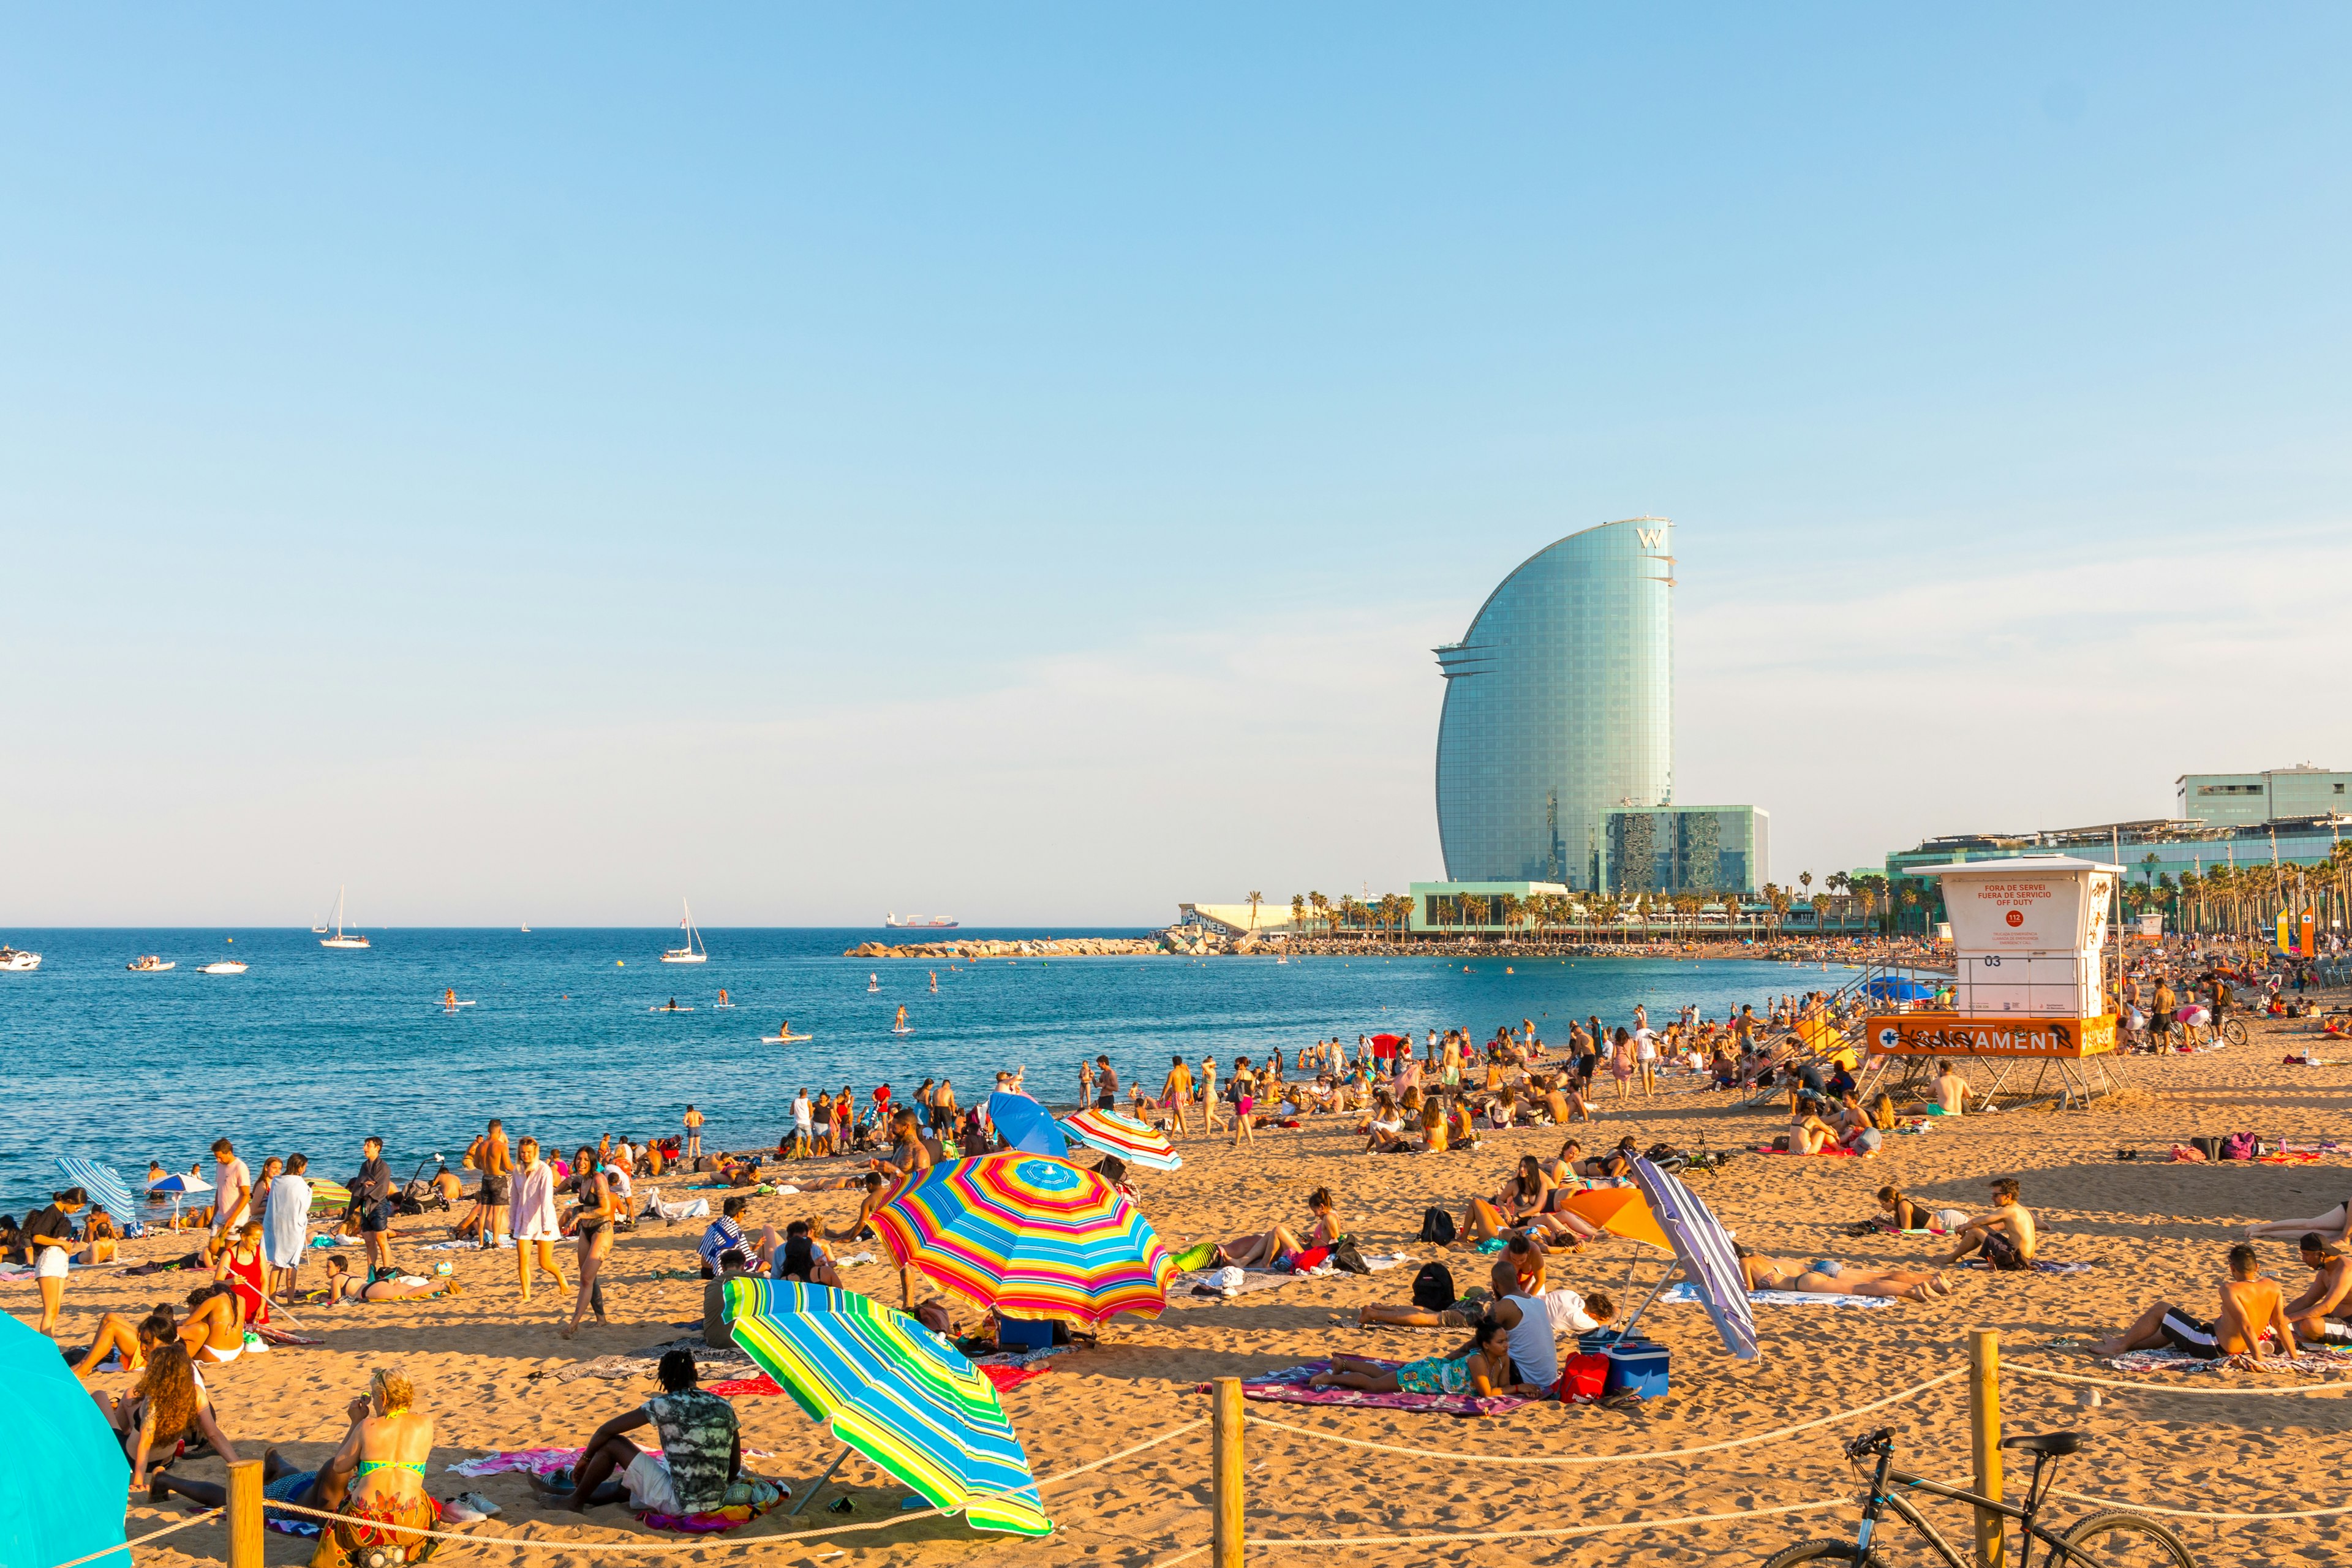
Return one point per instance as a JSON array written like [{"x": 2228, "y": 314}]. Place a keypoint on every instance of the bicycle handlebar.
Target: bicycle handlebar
[{"x": 1870, "y": 1443}]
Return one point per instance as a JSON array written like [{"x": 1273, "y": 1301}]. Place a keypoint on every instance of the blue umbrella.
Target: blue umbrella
[
  {"x": 101, "y": 1181},
  {"x": 61, "y": 1491},
  {"x": 174, "y": 1185},
  {"x": 1027, "y": 1125},
  {"x": 1703, "y": 1249}
]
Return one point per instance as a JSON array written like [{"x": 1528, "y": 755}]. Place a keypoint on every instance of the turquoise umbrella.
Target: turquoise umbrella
[{"x": 63, "y": 1488}]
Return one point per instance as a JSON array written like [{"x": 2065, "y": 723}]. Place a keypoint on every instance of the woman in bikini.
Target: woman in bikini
[
  {"x": 1480, "y": 1369},
  {"x": 2335, "y": 1227},
  {"x": 341, "y": 1286},
  {"x": 213, "y": 1330},
  {"x": 594, "y": 1225},
  {"x": 1268, "y": 1248},
  {"x": 1244, "y": 1100},
  {"x": 380, "y": 1466},
  {"x": 1763, "y": 1273}
]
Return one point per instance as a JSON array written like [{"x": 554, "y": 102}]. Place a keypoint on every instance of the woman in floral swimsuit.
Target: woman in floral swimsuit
[{"x": 1482, "y": 1367}]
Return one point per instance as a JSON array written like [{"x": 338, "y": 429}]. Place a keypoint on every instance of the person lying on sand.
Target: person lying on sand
[
  {"x": 1573, "y": 1313},
  {"x": 2335, "y": 1227},
  {"x": 2331, "y": 1282},
  {"x": 1830, "y": 1278},
  {"x": 385, "y": 1285},
  {"x": 1480, "y": 1368},
  {"x": 2251, "y": 1315},
  {"x": 1906, "y": 1214},
  {"x": 702, "y": 1451},
  {"x": 2006, "y": 1236},
  {"x": 282, "y": 1481}
]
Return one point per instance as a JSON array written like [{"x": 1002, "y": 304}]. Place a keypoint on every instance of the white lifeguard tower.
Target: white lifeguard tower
[{"x": 2028, "y": 940}]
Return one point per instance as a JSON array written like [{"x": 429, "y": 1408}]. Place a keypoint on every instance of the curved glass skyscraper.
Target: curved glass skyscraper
[{"x": 1559, "y": 709}]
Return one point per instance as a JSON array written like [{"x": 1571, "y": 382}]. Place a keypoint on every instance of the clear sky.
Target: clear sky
[{"x": 1013, "y": 462}]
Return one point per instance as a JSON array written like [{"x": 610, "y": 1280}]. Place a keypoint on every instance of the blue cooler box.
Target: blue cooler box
[{"x": 1635, "y": 1364}]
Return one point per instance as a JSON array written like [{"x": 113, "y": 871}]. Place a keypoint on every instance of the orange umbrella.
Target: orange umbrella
[{"x": 1621, "y": 1211}]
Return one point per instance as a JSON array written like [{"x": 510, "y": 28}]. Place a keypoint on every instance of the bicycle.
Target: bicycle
[{"x": 2112, "y": 1539}]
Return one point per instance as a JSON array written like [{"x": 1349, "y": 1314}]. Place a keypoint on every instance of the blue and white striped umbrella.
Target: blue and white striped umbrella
[
  {"x": 103, "y": 1183},
  {"x": 1702, "y": 1248}
]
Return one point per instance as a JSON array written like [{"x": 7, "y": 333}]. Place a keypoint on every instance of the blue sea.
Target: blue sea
[{"x": 570, "y": 1035}]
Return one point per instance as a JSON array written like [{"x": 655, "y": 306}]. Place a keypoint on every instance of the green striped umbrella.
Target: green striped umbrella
[{"x": 895, "y": 1392}]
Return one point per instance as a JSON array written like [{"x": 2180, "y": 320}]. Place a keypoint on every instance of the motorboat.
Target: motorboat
[
  {"x": 341, "y": 937},
  {"x": 11, "y": 958},
  {"x": 692, "y": 952},
  {"x": 890, "y": 921},
  {"x": 149, "y": 963},
  {"x": 225, "y": 966}
]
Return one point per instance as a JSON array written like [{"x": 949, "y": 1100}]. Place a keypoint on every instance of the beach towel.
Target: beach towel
[
  {"x": 1686, "y": 1294},
  {"x": 1000, "y": 1359},
  {"x": 760, "y": 1386},
  {"x": 531, "y": 1461},
  {"x": 1288, "y": 1386},
  {"x": 276, "y": 1336},
  {"x": 1203, "y": 1284},
  {"x": 747, "y": 1499},
  {"x": 1824, "y": 1149},
  {"x": 2038, "y": 1266},
  {"x": 2309, "y": 1360},
  {"x": 1005, "y": 1377}
]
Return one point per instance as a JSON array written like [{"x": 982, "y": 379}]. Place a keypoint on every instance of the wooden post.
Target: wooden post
[
  {"x": 244, "y": 1518},
  {"x": 1984, "y": 1439},
  {"x": 1225, "y": 1430}
]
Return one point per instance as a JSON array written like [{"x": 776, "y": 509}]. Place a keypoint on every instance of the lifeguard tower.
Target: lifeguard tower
[{"x": 2029, "y": 939}]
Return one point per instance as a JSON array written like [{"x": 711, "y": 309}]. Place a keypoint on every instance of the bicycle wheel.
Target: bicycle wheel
[
  {"x": 1815, "y": 1551},
  {"x": 2234, "y": 1031},
  {"x": 2120, "y": 1540}
]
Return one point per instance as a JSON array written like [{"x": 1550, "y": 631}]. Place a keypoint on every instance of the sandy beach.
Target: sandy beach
[{"x": 487, "y": 1372}]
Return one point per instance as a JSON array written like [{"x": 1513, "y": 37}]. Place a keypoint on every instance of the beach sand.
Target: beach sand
[{"x": 2152, "y": 1231}]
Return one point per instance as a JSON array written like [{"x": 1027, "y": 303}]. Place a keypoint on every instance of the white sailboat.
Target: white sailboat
[
  {"x": 342, "y": 937},
  {"x": 693, "y": 952}
]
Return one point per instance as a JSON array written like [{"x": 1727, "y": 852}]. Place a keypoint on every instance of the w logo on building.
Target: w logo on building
[{"x": 1651, "y": 538}]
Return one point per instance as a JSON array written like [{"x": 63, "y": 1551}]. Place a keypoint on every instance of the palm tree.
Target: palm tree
[
  {"x": 1322, "y": 907},
  {"x": 1298, "y": 914},
  {"x": 1821, "y": 902},
  {"x": 1255, "y": 899},
  {"x": 1869, "y": 892},
  {"x": 1836, "y": 883},
  {"x": 1805, "y": 882},
  {"x": 1910, "y": 897}
]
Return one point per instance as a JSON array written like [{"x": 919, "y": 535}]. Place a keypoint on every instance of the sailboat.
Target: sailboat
[
  {"x": 693, "y": 952},
  {"x": 341, "y": 938}
]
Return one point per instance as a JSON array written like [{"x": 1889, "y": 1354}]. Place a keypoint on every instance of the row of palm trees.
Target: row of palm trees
[
  {"x": 2243, "y": 900},
  {"x": 1540, "y": 915}
]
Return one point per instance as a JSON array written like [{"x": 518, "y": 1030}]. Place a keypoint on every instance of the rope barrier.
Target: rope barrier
[
  {"x": 1911, "y": 1393},
  {"x": 2195, "y": 1513},
  {"x": 704, "y": 1542},
  {"x": 2024, "y": 1370},
  {"x": 150, "y": 1535},
  {"x": 1256, "y": 1542}
]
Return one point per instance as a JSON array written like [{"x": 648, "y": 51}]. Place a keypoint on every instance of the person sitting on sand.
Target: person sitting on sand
[
  {"x": 1385, "y": 1129},
  {"x": 1482, "y": 1368},
  {"x": 99, "y": 1236},
  {"x": 878, "y": 1192},
  {"x": 118, "y": 1335},
  {"x": 2331, "y": 1282},
  {"x": 1272, "y": 1247},
  {"x": 732, "y": 1265},
  {"x": 800, "y": 1257},
  {"x": 1950, "y": 1090},
  {"x": 2006, "y": 1236},
  {"x": 702, "y": 1451},
  {"x": 385, "y": 1285},
  {"x": 214, "y": 1330},
  {"x": 2252, "y": 1314},
  {"x": 1809, "y": 1134},
  {"x": 1827, "y": 1276},
  {"x": 379, "y": 1465},
  {"x": 1536, "y": 1322},
  {"x": 166, "y": 1411}
]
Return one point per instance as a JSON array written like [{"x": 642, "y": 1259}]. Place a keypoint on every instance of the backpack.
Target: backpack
[
  {"x": 2241, "y": 1146},
  {"x": 1349, "y": 1259},
  {"x": 1436, "y": 1227},
  {"x": 1432, "y": 1287},
  {"x": 1582, "y": 1377}
]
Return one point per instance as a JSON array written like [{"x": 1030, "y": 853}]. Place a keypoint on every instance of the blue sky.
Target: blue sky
[{"x": 1016, "y": 460}]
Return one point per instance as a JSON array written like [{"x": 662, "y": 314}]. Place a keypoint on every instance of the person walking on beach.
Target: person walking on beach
[
  {"x": 287, "y": 1224},
  {"x": 371, "y": 1191},
  {"x": 232, "y": 1187},
  {"x": 1176, "y": 1093},
  {"x": 1243, "y": 1095},
  {"x": 531, "y": 1219},
  {"x": 693, "y": 1146},
  {"x": 803, "y": 1119},
  {"x": 593, "y": 1221}
]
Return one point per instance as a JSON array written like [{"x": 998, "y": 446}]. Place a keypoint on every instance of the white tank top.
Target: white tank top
[{"x": 1533, "y": 1350}]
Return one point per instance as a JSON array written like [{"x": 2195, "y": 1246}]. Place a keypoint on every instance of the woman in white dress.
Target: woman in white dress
[
  {"x": 531, "y": 1218},
  {"x": 286, "y": 1228}
]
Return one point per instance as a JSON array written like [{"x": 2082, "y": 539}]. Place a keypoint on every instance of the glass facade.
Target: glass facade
[
  {"x": 1687, "y": 849},
  {"x": 2248, "y": 800},
  {"x": 1559, "y": 709}
]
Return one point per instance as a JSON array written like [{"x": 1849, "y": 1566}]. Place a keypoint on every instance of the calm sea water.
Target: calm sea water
[{"x": 312, "y": 1049}]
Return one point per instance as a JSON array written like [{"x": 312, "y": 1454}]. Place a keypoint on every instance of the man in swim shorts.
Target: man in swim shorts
[
  {"x": 2252, "y": 1314},
  {"x": 2005, "y": 1236}
]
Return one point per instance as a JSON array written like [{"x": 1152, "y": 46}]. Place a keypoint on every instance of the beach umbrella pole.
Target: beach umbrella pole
[
  {"x": 818, "y": 1486},
  {"x": 1663, "y": 1280}
]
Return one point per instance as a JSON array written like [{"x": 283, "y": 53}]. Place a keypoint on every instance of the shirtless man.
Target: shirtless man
[
  {"x": 1176, "y": 1093},
  {"x": 2250, "y": 1308},
  {"x": 2331, "y": 1282},
  {"x": 1951, "y": 1092},
  {"x": 2005, "y": 1236}
]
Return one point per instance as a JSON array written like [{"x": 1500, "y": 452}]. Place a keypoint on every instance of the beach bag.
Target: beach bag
[
  {"x": 1349, "y": 1259},
  {"x": 1311, "y": 1258},
  {"x": 2209, "y": 1147},
  {"x": 1436, "y": 1227},
  {"x": 1583, "y": 1376},
  {"x": 1432, "y": 1287},
  {"x": 2241, "y": 1146}
]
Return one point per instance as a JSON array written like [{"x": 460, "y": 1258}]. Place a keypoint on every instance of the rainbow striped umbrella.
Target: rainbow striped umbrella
[
  {"x": 1032, "y": 1235},
  {"x": 1137, "y": 1143},
  {"x": 325, "y": 1194},
  {"x": 895, "y": 1392}
]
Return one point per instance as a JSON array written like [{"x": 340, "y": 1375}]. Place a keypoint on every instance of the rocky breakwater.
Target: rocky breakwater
[{"x": 1042, "y": 947}]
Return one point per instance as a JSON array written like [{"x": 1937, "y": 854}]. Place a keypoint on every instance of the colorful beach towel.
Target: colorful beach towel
[
  {"x": 1288, "y": 1386},
  {"x": 2310, "y": 1360},
  {"x": 746, "y": 1500},
  {"x": 1005, "y": 1377},
  {"x": 1686, "y": 1294},
  {"x": 531, "y": 1461},
  {"x": 2038, "y": 1266},
  {"x": 760, "y": 1385},
  {"x": 1201, "y": 1284}
]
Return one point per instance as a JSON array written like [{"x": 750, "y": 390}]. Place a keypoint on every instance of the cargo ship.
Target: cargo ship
[{"x": 918, "y": 922}]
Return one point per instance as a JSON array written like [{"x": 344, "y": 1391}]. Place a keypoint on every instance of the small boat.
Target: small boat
[
  {"x": 225, "y": 966},
  {"x": 526, "y": 931},
  {"x": 149, "y": 963},
  {"x": 918, "y": 922},
  {"x": 693, "y": 952},
  {"x": 342, "y": 937},
  {"x": 784, "y": 1039},
  {"x": 11, "y": 958}
]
